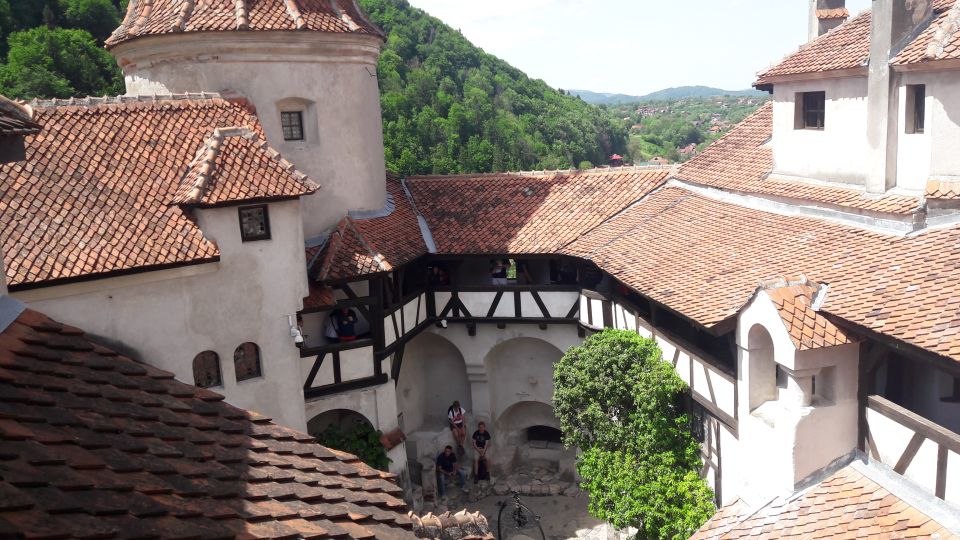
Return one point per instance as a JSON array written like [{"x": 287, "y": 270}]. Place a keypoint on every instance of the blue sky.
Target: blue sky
[{"x": 633, "y": 46}]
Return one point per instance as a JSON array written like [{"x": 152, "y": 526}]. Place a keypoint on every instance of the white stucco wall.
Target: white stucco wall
[
  {"x": 839, "y": 152},
  {"x": 166, "y": 318},
  {"x": 943, "y": 121},
  {"x": 332, "y": 75}
]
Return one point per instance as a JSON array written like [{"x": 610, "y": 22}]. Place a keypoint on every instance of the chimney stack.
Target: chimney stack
[
  {"x": 825, "y": 15},
  {"x": 894, "y": 24}
]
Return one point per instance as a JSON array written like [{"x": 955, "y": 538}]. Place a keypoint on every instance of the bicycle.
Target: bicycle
[{"x": 523, "y": 519}]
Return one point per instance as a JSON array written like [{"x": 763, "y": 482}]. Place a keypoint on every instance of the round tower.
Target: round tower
[{"x": 308, "y": 67}]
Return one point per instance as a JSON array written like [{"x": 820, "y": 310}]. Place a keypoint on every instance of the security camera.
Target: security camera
[{"x": 298, "y": 339}]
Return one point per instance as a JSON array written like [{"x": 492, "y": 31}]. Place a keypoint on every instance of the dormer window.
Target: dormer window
[
  {"x": 810, "y": 111},
  {"x": 254, "y": 223},
  {"x": 916, "y": 109},
  {"x": 292, "y": 123}
]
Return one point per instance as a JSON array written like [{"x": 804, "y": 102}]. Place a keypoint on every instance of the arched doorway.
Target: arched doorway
[
  {"x": 432, "y": 377},
  {"x": 341, "y": 419},
  {"x": 763, "y": 368},
  {"x": 529, "y": 436},
  {"x": 521, "y": 369}
]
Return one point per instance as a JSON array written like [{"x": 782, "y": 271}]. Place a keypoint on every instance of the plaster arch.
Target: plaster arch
[
  {"x": 340, "y": 418},
  {"x": 762, "y": 366},
  {"x": 433, "y": 375},
  {"x": 520, "y": 369}
]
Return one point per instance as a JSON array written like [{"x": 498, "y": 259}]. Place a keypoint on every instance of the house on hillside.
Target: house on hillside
[{"x": 240, "y": 234}]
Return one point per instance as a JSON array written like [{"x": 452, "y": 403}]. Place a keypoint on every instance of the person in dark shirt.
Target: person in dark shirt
[
  {"x": 447, "y": 468},
  {"x": 345, "y": 322},
  {"x": 481, "y": 445}
]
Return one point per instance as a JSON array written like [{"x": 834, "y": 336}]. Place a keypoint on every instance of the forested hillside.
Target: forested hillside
[
  {"x": 54, "y": 48},
  {"x": 449, "y": 107}
]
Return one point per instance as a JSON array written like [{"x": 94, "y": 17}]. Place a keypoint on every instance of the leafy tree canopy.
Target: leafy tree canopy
[
  {"x": 57, "y": 63},
  {"x": 623, "y": 406},
  {"x": 448, "y": 107},
  {"x": 99, "y": 17}
]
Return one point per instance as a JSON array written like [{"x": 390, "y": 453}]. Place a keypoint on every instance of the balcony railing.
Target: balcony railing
[
  {"x": 509, "y": 303},
  {"x": 922, "y": 451}
]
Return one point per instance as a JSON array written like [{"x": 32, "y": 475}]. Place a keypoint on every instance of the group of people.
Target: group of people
[
  {"x": 448, "y": 467},
  {"x": 342, "y": 326},
  {"x": 500, "y": 268}
]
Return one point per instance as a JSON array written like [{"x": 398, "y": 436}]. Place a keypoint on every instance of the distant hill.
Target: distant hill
[
  {"x": 449, "y": 107},
  {"x": 679, "y": 92}
]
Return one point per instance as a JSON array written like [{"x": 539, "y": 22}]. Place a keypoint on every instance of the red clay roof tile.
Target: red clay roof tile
[
  {"x": 159, "y": 17},
  {"x": 363, "y": 246},
  {"x": 92, "y": 196},
  {"x": 123, "y": 456},
  {"x": 939, "y": 41},
  {"x": 524, "y": 212},
  {"x": 845, "y": 505},
  {"x": 808, "y": 329}
]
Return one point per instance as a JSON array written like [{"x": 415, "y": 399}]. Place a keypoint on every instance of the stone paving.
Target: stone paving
[{"x": 560, "y": 504}]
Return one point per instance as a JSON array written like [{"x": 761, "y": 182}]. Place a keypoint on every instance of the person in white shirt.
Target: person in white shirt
[{"x": 458, "y": 424}]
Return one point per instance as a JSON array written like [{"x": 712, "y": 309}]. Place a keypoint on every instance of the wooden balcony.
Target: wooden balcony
[{"x": 920, "y": 450}]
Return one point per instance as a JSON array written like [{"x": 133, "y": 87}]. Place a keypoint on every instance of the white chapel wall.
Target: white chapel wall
[{"x": 246, "y": 297}]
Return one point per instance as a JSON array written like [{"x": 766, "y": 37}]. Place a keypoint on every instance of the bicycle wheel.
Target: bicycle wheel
[{"x": 517, "y": 522}]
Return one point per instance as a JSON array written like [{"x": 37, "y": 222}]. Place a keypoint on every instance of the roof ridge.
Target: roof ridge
[
  {"x": 544, "y": 172},
  {"x": 205, "y": 163},
  {"x": 93, "y": 101}
]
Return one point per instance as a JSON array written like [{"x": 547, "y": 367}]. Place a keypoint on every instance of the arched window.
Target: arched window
[
  {"x": 206, "y": 370},
  {"x": 246, "y": 361}
]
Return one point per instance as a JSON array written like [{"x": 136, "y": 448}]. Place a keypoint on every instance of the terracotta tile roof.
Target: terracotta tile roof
[
  {"x": 234, "y": 164},
  {"x": 158, "y": 17},
  {"x": 942, "y": 189},
  {"x": 96, "y": 445},
  {"x": 16, "y": 119},
  {"x": 834, "y": 13},
  {"x": 320, "y": 297},
  {"x": 703, "y": 258},
  {"x": 845, "y": 47},
  {"x": 939, "y": 41},
  {"x": 361, "y": 246},
  {"x": 845, "y": 505},
  {"x": 808, "y": 329},
  {"x": 92, "y": 196},
  {"x": 741, "y": 161},
  {"x": 523, "y": 212}
]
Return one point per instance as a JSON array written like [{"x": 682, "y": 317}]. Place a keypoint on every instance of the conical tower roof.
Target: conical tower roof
[{"x": 161, "y": 17}]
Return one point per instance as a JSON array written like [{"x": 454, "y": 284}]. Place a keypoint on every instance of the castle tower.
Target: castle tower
[{"x": 308, "y": 66}]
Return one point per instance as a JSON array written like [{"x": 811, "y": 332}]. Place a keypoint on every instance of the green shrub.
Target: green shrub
[{"x": 361, "y": 440}]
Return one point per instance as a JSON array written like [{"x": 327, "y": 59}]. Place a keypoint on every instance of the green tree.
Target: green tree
[
  {"x": 99, "y": 17},
  {"x": 624, "y": 407},
  {"x": 57, "y": 63}
]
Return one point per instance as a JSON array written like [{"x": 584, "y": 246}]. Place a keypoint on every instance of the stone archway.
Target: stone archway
[
  {"x": 520, "y": 369},
  {"x": 528, "y": 433},
  {"x": 432, "y": 377},
  {"x": 345, "y": 419}
]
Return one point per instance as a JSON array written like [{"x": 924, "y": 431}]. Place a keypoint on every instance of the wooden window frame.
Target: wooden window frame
[
  {"x": 915, "y": 118},
  {"x": 219, "y": 378},
  {"x": 259, "y": 373},
  {"x": 290, "y": 129},
  {"x": 266, "y": 223},
  {"x": 807, "y": 104}
]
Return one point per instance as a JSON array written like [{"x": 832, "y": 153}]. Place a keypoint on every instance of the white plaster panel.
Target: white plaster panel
[
  {"x": 890, "y": 437},
  {"x": 324, "y": 374},
  {"x": 410, "y": 312},
  {"x": 505, "y": 307},
  {"x": 913, "y": 149},
  {"x": 558, "y": 303},
  {"x": 356, "y": 364},
  {"x": 442, "y": 298},
  {"x": 943, "y": 115},
  {"x": 923, "y": 468},
  {"x": 389, "y": 335},
  {"x": 794, "y": 150},
  {"x": 584, "y": 307},
  {"x": 596, "y": 311},
  {"x": 528, "y": 306},
  {"x": 247, "y": 297},
  {"x": 952, "y": 493},
  {"x": 478, "y": 303}
]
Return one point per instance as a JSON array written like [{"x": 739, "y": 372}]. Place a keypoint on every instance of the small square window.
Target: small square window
[
  {"x": 916, "y": 108},
  {"x": 254, "y": 223},
  {"x": 292, "y": 123},
  {"x": 810, "y": 110}
]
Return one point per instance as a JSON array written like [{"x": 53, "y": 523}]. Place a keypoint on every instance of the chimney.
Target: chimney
[
  {"x": 825, "y": 15},
  {"x": 894, "y": 24}
]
